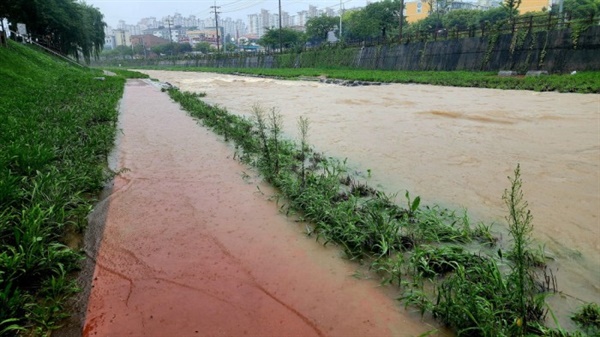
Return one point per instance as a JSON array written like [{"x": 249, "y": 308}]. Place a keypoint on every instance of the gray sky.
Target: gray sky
[{"x": 133, "y": 10}]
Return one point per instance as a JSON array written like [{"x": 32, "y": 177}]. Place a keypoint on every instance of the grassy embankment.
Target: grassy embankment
[
  {"x": 57, "y": 126},
  {"x": 444, "y": 265},
  {"x": 582, "y": 82}
]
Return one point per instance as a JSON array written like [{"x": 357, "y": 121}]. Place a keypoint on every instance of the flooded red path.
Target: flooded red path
[
  {"x": 454, "y": 147},
  {"x": 191, "y": 249}
]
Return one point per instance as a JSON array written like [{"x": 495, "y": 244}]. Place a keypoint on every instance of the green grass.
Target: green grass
[
  {"x": 57, "y": 126},
  {"x": 582, "y": 82},
  {"x": 445, "y": 266},
  {"x": 588, "y": 317},
  {"x": 126, "y": 73}
]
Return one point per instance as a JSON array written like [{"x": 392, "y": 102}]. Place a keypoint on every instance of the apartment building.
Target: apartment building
[
  {"x": 415, "y": 10},
  {"x": 535, "y": 5},
  {"x": 122, "y": 37}
]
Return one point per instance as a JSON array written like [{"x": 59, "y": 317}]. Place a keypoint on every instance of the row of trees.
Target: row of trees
[
  {"x": 381, "y": 20},
  {"x": 168, "y": 49},
  {"x": 72, "y": 27}
]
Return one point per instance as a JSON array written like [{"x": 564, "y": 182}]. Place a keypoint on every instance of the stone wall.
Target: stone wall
[{"x": 555, "y": 51}]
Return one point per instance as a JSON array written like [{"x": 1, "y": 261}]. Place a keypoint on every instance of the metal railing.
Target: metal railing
[
  {"x": 47, "y": 48},
  {"x": 524, "y": 23}
]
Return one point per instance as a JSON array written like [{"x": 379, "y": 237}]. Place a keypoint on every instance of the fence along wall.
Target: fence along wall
[{"x": 554, "y": 51}]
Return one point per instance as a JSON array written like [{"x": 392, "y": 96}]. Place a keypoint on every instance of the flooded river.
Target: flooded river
[{"x": 454, "y": 147}]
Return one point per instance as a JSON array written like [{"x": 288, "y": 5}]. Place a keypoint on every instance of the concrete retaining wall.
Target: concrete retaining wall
[{"x": 555, "y": 51}]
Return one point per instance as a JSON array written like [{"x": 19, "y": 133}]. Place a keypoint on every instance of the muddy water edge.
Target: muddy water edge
[{"x": 455, "y": 147}]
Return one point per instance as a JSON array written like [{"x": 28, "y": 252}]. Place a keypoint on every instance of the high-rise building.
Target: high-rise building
[
  {"x": 312, "y": 11},
  {"x": 301, "y": 18},
  {"x": 285, "y": 19},
  {"x": 122, "y": 37},
  {"x": 253, "y": 24}
]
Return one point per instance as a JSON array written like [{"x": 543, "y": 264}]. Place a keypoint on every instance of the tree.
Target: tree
[
  {"x": 230, "y": 46},
  {"x": 439, "y": 8},
  {"x": 203, "y": 47},
  {"x": 182, "y": 48},
  {"x": 377, "y": 19},
  {"x": 92, "y": 32},
  {"x": 318, "y": 27},
  {"x": 172, "y": 48},
  {"x": 120, "y": 52},
  {"x": 429, "y": 24},
  {"x": 71, "y": 27},
  {"x": 493, "y": 16},
  {"x": 512, "y": 7},
  {"x": 289, "y": 38},
  {"x": 581, "y": 9},
  {"x": 461, "y": 19},
  {"x": 139, "y": 49}
]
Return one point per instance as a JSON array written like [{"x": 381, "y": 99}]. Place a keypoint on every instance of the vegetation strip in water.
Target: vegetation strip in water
[
  {"x": 57, "y": 126},
  {"x": 581, "y": 82},
  {"x": 427, "y": 251}
]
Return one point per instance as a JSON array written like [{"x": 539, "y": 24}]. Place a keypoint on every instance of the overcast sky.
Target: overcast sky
[{"x": 133, "y": 10}]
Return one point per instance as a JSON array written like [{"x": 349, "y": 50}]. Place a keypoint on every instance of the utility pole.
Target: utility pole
[
  {"x": 144, "y": 46},
  {"x": 214, "y": 9},
  {"x": 560, "y": 11},
  {"x": 280, "y": 43},
  {"x": 401, "y": 20},
  {"x": 341, "y": 13}
]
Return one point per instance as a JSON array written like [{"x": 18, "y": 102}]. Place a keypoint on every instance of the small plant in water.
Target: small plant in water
[
  {"x": 303, "y": 126},
  {"x": 588, "y": 317},
  {"x": 520, "y": 227}
]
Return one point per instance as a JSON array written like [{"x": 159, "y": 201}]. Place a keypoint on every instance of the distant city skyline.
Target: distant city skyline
[{"x": 132, "y": 11}]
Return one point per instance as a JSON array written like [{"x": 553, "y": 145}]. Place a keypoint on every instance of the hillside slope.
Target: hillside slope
[{"x": 57, "y": 126}]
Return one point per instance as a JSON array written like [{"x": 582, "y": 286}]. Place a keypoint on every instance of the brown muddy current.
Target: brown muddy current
[
  {"x": 454, "y": 147},
  {"x": 191, "y": 246}
]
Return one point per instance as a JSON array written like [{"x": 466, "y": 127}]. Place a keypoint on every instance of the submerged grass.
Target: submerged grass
[
  {"x": 582, "y": 82},
  {"x": 444, "y": 265},
  {"x": 57, "y": 126},
  {"x": 588, "y": 317}
]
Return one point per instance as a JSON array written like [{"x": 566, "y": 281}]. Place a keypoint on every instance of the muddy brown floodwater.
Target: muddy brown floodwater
[
  {"x": 192, "y": 249},
  {"x": 454, "y": 147}
]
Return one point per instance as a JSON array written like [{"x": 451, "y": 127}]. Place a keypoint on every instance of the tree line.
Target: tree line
[
  {"x": 68, "y": 26},
  {"x": 381, "y": 20},
  {"x": 378, "y": 20}
]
